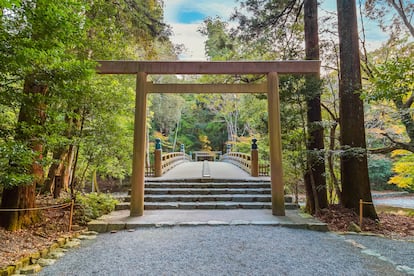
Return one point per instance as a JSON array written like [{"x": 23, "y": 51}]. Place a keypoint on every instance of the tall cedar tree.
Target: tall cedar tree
[
  {"x": 32, "y": 45},
  {"x": 354, "y": 166},
  {"x": 315, "y": 182},
  {"x": 23, "y": 196}
]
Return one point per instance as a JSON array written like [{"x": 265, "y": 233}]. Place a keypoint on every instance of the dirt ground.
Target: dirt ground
[
  {"x": 54, "y": 224},
  {"x": 393, "y": 222}
]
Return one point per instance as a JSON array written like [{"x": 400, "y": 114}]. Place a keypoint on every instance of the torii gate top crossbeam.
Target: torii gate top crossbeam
[{"x": 209, "y": 67}]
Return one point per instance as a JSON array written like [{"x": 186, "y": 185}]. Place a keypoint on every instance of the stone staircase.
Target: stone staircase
[{"x": 217, "y": 194}]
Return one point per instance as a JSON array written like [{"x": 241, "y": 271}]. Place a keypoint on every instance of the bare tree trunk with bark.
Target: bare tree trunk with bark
[
  {"x": 315, "y": 181},
  {"x": 354, "y": 165}
]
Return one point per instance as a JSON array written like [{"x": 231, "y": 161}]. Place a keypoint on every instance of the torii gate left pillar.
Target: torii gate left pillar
[{"x": 138, "y": 159}]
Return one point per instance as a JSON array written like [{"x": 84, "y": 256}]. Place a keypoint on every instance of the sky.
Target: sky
[{"x": 186, "y": 16}]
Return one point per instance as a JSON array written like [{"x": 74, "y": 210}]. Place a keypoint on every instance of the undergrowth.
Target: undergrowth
[{"x": 93, "y": 205}]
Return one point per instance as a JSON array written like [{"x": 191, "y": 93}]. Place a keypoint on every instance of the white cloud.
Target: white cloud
[
  {"x": 187, "y": 33},
  {"x": 193, "y": 41}
]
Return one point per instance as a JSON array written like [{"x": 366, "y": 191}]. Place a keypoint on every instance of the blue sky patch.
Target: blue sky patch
[{"x": 188, "y": 17}]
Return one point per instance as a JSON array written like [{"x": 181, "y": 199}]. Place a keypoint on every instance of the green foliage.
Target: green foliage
[
  {"x": 271, "y": 29},
  {"x": 106, "y": 139},
  {"x": 380, "y": 171},
  {"x": 52, "y": 44},
  {"x": 393, "y": 79},
  {"x": 219, "y": 45},
  {"x": 93, "y": 205},
  {"x": 15, "y": 164},
  {"x": 37, "y": 51},
  {"x": 167, "y": 110},
  {"x": 391, "y": 84}
]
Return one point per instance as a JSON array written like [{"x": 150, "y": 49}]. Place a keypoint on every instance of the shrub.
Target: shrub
[
  {"x": 93, "y": 205},
  {"x": 380, "y": 170}
]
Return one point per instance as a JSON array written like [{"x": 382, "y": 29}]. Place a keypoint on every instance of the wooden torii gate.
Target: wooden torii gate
[{"x": 270, "y": 68}]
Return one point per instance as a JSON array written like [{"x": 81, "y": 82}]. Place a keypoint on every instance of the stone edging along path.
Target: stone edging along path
[
  {"x": 120, "y": 220},
  {"x": 34, "y": 262}
]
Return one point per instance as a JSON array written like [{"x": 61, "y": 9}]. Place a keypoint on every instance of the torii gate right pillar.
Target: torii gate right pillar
[{"x": 276, "y": 170}]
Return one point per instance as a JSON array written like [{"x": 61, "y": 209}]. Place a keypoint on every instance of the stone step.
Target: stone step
[
  {"x": 204, "y": 180},
  {"x": 189, "y": 185},
  {"x": 205, "y": 198},
  {"x": 217, "y": 197},
  {"x": 206, "y": 205},
  {"x": 205, "y": 191}
]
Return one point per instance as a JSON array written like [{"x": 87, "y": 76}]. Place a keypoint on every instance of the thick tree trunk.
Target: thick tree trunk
[
  {"x": 20, "y": 197},
  {"x": 354, "y": 166},
  {"x": 31, "y": 115},
  {"x": 315, "y": 182}
]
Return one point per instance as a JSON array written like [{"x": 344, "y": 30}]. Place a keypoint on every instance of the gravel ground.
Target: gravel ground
[
  {"x": 228, "y": 250},
  {"x": 397, "y": 252},
  {"x": 402, "y": 201}
]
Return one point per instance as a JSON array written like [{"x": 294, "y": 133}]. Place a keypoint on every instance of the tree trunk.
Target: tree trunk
[
  {"x": 334, "y": 179},
  {"x": 315, "y": 181},
  {"x": 19, "y": 197},
  {"x": 63, "y": 157},
  {"x": 68, "y": 169},
  {"x": 354, "y": 165},
  {"x": 31, "y": 116},
  {"x": 57, "y": 168}
]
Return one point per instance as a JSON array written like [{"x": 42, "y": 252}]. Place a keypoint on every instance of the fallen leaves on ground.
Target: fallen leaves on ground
[
  {"x": 15, "y": 245},
  {"x": 397, "y": 225}
]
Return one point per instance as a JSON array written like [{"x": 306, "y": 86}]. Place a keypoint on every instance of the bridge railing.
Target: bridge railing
[
  {"x": 264, "y": 169},
  {"x": 248, "y": 162},
  {"x": 172, "y": 159},
  {"x": 165, "y": 162},
  {"x": 241, "y": 160},
  {"x": 149, "y": 170}
]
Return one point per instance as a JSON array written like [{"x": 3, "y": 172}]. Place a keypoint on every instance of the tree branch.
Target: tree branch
[
  {"x": 410, "y": 101},
  {"x": 400, "y": 9},
  {"x": 330, "y": 113},
  {"x": 395, "y": 145}
]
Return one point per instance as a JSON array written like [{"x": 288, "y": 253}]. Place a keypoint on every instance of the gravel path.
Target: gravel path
[
  {"x": 228, "y": 250},
  {"x": 397, "y": 252},
  {"x": 401, "y": 201}
]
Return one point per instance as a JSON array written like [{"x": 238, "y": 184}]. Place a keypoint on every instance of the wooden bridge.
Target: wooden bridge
[
  {"x": 233, "y": 180},
  {"x": 164, "y": 162}
]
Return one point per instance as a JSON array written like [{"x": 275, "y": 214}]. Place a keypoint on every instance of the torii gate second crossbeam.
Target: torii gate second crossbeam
[{"x": 270, "y": 68}]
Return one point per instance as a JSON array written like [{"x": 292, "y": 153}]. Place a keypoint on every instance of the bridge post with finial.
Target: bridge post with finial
[
  {"x": 254, "y": 165},
  {"x": 157, "y": 158},
  {"x": 228, "y": 148},
  {"x": 182, "y": 150}
]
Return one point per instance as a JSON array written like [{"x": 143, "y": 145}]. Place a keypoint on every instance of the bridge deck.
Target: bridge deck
[{"x": 217, "y": 170}]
